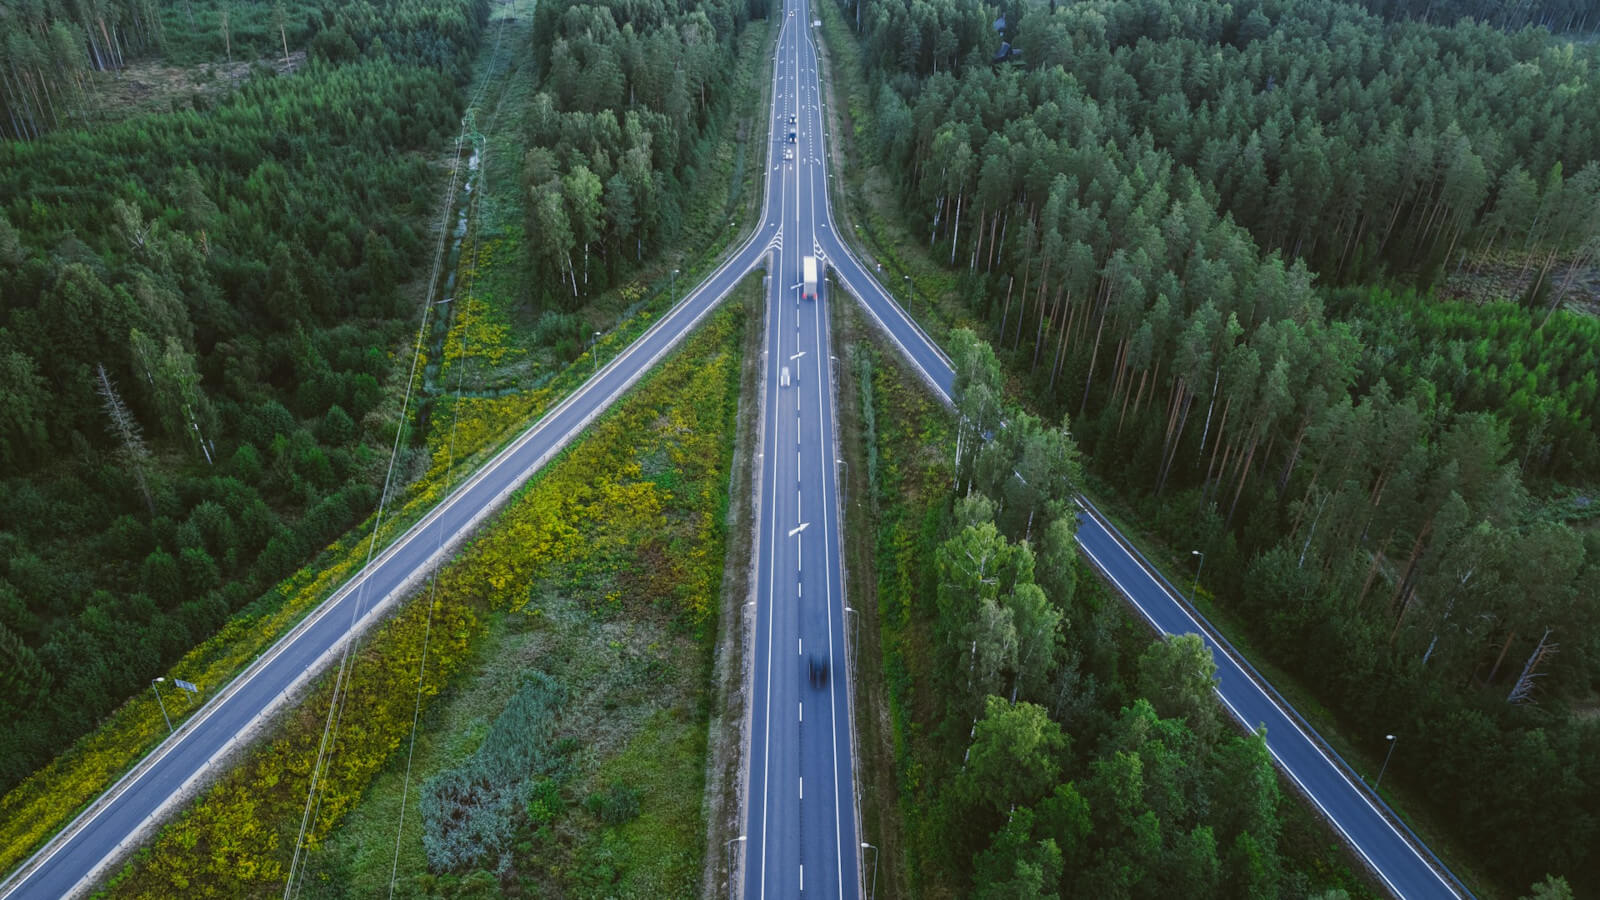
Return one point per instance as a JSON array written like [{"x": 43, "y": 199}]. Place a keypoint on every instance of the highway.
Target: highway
[
  {"x": 1400, "y": 861},
  {"x": 124, "y": 817},
  {"x": 801, "y": 821},
  {"x": 800, "y": 813}
]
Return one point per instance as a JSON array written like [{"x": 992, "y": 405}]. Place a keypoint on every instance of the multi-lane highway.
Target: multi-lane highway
[
  {"x": 120, "y": 820},
  {"x": 800, "y": 815},
  {"x": 1399, "y": 860}
]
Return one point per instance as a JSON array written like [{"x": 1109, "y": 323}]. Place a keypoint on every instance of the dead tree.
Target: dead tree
[{"x": 125, "y": 428}]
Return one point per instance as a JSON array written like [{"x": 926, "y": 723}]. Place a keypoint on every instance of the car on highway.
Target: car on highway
[
  {"x": 788, "y": 153},
  {"x": 819, "y": 670}
]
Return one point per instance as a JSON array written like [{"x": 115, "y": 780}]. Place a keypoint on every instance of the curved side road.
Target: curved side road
[{"x": 1399, "y": 859}]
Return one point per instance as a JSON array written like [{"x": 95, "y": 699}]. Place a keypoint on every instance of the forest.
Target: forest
[
  {"x": 1049, "y": 747},
  {"x": 1221, "y": 237},
  {"x": 628, "y": 92},
  {"x": 198, "y": 312}
]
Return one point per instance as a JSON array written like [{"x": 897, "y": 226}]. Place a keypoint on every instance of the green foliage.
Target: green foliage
[
  {"x": 617, "y": 805},
  {"x": 629, "y": 96},
  {"x": 212, "y": 262},
  {"x": 1179, "y": 676},
  {"x": 1137, "y": 216},
  {"x": 238, "y": 836},
  {"x": 999, "y": 800},
  {"x": 467, "y": 810}
]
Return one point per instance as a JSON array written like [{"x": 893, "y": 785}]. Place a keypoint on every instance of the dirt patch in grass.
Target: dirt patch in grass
[{"x": 1499, "y": 279}]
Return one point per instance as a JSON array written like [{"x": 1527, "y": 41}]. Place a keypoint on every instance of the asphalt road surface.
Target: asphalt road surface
[
  {"x": 800, "y": 815},
  {"x": 122, "y": 819},
  {"x": 802, "y": 834},
  {"x": 1400, "y": 860}
]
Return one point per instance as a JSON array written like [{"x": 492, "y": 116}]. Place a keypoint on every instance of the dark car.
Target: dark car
[{"x": 819, "y": 670}]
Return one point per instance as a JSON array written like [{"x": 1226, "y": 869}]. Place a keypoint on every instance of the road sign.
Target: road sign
[{"x": 186, "y": 685}]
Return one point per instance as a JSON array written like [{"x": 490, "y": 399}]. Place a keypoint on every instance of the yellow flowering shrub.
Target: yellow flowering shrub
[{"x": 595, "y": 508}]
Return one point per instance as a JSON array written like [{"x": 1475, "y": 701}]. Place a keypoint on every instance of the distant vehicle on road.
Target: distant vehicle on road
[
  {"x": 788, "y": 153},
  {"x": 819, "y": 670},
  {"x": 808, "y": 286},
  {"x": 783, "y": 379}
]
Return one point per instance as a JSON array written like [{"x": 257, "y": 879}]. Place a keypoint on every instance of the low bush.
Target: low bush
[{"x": 467, "y": 810}]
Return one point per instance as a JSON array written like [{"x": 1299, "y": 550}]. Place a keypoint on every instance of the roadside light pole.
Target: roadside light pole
[
  {"x": 873, "y": 893},
  {"x": 729, "y": 852},
  {"x": 153, "y": 686},
  {"x": 594, "y": 351},
  {"x": 1385, "y": 766},
  {"x": 852, "y": 611},
  {"x": 1198, "y": 569},
  {"x": 674, "y": 289}
]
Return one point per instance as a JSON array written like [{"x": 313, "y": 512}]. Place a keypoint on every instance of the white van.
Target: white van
[{"x": 783, "y": 377}]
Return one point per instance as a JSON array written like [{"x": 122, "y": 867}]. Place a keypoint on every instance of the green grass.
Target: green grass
[{"x": 605, "y": 623}]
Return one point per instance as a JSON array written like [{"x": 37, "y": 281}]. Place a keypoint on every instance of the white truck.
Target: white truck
[{"x": 808, "y": 286}]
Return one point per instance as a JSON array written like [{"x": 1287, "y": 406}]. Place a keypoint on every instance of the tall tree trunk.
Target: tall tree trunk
[
  {"x": 1177, "y": 439},
  {"x": 1155, "y": 379},
  {"x": 1038, "y": 334},
  {"x": 1227, "y": 405},
  {"x": 1061, "y": 349},
  {"x": 1022, "y": 311},
  {"x": 1088, "y": 379},
  {"x": 1243, "y": 476},
  {"x": 1294, "y": 454},
  {"x": 1006, "y": 315},
  {"x": 1211, "y": 405},
  {"x": 977, "y": 242},
  {"x": 955, "y": 232}
]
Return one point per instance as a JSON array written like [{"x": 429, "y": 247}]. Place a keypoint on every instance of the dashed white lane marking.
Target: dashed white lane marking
[
  {"x": 802, "y": 711},
  {"x": 802, "y": 791}
]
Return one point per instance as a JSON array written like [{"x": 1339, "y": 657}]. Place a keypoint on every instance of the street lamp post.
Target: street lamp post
[
  {"x": 674, "y": 290},
  {"x": 1198, "y": 569},
  {"x": 851, "y": 610},
  {"x": 594, "y": 351},
  {"x": 1383, "y": 768},
  {"x": 873, "y": 893},
  {"x": 728, "y": 848},
  {"x": 163, "y": 703}
]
